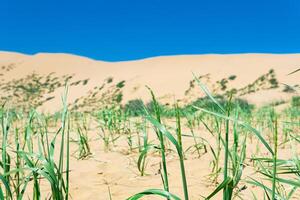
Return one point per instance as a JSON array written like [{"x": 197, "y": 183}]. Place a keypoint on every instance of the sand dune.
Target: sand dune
[{"x": 168, "y": 76}]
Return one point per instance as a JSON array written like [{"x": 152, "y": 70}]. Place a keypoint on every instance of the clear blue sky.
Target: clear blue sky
[{"x": 130, "y": 29}]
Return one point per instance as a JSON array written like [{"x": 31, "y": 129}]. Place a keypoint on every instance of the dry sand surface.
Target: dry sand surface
[{"x": 169, "y": 77}]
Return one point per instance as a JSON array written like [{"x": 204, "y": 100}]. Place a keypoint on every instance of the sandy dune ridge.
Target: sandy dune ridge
[{"x": 168, "y": 76}]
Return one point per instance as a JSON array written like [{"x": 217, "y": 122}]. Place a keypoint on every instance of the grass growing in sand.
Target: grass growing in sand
[{"x": 233, "y": 135}]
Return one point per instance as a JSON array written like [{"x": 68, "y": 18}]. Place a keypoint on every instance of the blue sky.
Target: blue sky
[{"x": 115, "y": 30}]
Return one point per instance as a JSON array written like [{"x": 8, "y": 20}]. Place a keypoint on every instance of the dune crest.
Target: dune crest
[{"x": 168, "y": 76}]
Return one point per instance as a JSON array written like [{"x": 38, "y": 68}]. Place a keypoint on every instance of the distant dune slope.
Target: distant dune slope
[{"x": 168, "y": 76}]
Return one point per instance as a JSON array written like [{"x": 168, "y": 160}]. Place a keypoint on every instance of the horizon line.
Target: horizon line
[{"x": 149, "y": 57}]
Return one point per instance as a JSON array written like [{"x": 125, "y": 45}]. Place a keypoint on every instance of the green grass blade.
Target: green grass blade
[
  {"x": 156, "y": 192},
  {"x": 206, "y": 91},
  {"x": 220, "y": 187}
]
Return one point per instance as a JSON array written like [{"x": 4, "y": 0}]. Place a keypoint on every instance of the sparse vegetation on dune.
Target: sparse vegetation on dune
[{"x": 251, "y": 152}]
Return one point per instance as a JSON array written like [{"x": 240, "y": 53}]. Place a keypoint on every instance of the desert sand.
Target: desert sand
[{"x": 169, "y": 77}]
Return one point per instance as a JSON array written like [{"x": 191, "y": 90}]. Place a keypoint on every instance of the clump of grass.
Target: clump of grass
[
  {"x": 163, "y": 133},
  {"x": 35, "y": 162},
  {"x": 83, "y": 140},
  {"x": 295, "y": 101},
  {"x": 230, "y": 181}
]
